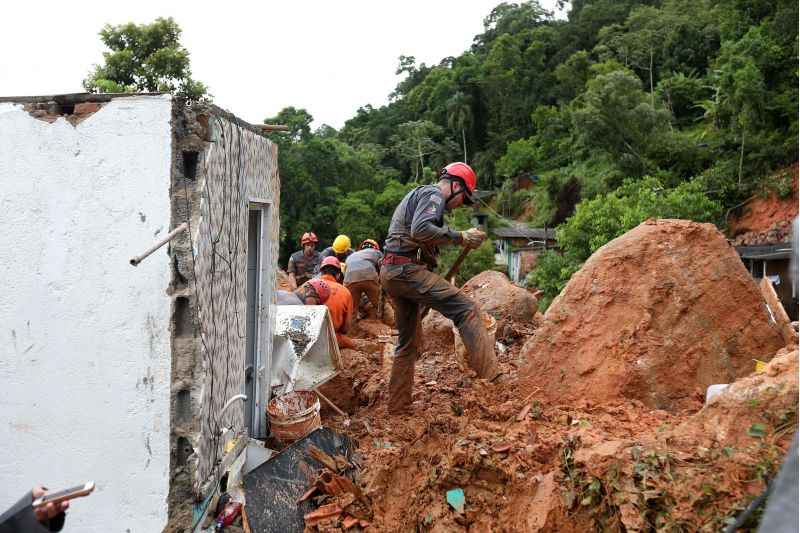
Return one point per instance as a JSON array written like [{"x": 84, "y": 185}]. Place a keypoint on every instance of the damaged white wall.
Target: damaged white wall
[{"x": 84, "y": 346}]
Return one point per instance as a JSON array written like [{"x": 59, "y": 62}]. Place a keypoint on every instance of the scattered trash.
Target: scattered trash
[
  {"x": 228, "y": 516},
  {"x": 714, "y": 390},
  {"x": 456, "y": 500},
  {"x": 305, "y": 352}
]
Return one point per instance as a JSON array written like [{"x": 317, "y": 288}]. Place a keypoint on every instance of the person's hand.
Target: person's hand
[
  {"x": 50, "y": 510},
  {"x": 473, "y": 237}
]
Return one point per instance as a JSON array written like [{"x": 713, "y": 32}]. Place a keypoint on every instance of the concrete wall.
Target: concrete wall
[
  {"x": 234, "y": 168},
  {"x": 84, "y": 346}
]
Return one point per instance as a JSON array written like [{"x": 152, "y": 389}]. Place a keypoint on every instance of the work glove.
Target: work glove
[{"x": 473, "y": 237}]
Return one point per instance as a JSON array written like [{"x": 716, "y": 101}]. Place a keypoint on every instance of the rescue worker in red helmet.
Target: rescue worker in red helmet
[
  {"x": 313, "y": 292},
  {"x": 340, "y": 303},
  {"x": 304, "y": 264},
  {"x": 407, "y": 275}
]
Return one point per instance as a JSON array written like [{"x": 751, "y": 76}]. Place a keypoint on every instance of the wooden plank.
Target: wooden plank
[{"x": 777, "y": 312}]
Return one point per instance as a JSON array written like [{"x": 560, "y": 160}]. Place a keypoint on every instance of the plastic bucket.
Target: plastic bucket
[{"x": 293, "y": 415}]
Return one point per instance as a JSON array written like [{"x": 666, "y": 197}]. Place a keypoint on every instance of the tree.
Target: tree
[
  {"x": 616, "y": 116},
  {"x": 459, "y": 116},
  {"x": 416, "y": 140},
  {"x": 298, "y": 120},
  {"x": 145, "y": 58}
]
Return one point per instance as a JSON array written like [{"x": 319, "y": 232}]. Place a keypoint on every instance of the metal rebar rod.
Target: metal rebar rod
[{"x": 171, "y": 235}]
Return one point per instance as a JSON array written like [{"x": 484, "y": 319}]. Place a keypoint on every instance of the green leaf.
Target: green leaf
[{"x": 757, "y": 430}]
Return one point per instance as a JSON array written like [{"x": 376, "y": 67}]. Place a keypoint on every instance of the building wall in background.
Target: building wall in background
[{"x": 84, "y": 349}]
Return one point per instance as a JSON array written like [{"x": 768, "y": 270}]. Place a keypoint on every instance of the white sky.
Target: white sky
[{"x": 256, "y": 57}]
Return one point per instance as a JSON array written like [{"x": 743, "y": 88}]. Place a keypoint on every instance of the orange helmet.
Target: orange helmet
[
  {"x": 465, "y": 173},
  {"x": 369, "y": 243},
  {"x": 321, "y": 288},
  {"x": 308, "y": 238}
]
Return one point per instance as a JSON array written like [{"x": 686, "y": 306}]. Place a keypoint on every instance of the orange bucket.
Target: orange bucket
[{"x": 293, "y": 415}]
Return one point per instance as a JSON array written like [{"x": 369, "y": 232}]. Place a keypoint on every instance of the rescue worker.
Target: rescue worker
[
  {"x": 340, "y": 249},
  {"x": 312, "y": 292},
  {"x": 340, "y": 303},
  {"x": 415, "y": 232},
  {"x": 361, "y": 276},
  {"x": 304, "y": 264}
]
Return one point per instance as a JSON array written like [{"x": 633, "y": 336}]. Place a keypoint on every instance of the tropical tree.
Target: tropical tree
[
  {"x": 145, "y": 58},
  {"x": 459, "y": 116}
]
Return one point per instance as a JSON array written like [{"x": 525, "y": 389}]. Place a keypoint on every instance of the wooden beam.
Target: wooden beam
[{"x": 777, "y": 312}]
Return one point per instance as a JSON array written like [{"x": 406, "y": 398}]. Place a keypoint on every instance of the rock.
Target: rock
[
  {"x": 437, "y": 334},
  {"x": 655, "y": 315},
  {"x": 494, "y": 293}
]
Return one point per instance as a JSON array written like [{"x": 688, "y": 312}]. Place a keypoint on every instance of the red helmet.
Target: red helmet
[
  {"x": 308, "y": 237},
  {"x": 467, "y": 175},
  {"x": 369, "y": 243},
  {"x": 321, "y": 288},
  {"x": 331, "y": 261}
]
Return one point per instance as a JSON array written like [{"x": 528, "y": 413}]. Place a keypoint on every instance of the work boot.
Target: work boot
[
  {"x": 480, "y": 348},
  {"x": 401, "y": 383}
]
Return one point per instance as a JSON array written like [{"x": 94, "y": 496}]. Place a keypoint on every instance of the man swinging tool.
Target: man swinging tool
[{"x": 415, "y": 232}]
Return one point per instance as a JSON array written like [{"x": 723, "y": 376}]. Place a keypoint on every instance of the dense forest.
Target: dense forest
[{"x": 625, "y": 110}]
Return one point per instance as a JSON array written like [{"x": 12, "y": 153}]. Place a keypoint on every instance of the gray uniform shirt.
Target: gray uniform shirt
[
  {"x": 363, "y": 265},
  {"x": 418, "y": 221}
]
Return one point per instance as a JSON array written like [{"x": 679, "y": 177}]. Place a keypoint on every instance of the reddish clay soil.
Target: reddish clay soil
[
  {"x": 761, "y": 215},
  {"x": 656, "y": 315},
  {"x": 526, "y": 464},
  {"x": 552, "y": 454}
]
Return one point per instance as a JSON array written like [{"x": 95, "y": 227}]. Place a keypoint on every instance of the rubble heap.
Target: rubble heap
[
  {"x": 780, "y": 232},
  {"x": 656, "y": 315}
]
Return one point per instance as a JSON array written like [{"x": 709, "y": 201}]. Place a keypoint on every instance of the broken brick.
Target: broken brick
[{"x": 84, "y": 108}]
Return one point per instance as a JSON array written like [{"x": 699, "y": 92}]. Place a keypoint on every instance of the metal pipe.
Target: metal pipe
[
  {"x": 171, "y": 235},
  {"x": 230, "y": 402}
]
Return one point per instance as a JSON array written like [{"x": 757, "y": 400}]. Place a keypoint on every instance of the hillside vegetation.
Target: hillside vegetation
[{"x": 625, "y": 110}]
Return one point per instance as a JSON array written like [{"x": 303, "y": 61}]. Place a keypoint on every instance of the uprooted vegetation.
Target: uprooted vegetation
[{"x": 533, "y": 456}]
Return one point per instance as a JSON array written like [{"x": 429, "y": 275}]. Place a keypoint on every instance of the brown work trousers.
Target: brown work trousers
[
  {"x": 373, "y": 292},
  {"x": 411, "y": 286}
]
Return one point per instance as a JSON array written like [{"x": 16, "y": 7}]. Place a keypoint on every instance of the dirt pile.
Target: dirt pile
[
  {"x": 514, "y": 308},
  {"x": 779, "y": 232},
  {"x": 525, "y": 464},
  {"x": 656, "y": 315},
  {"x": 759, "y": 220}
]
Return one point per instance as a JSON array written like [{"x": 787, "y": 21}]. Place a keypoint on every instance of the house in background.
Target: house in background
[
  {"x": 773, "y": 261},
  {"x": 519, "y": 246},
  {"x": 133, "y": 377}
]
